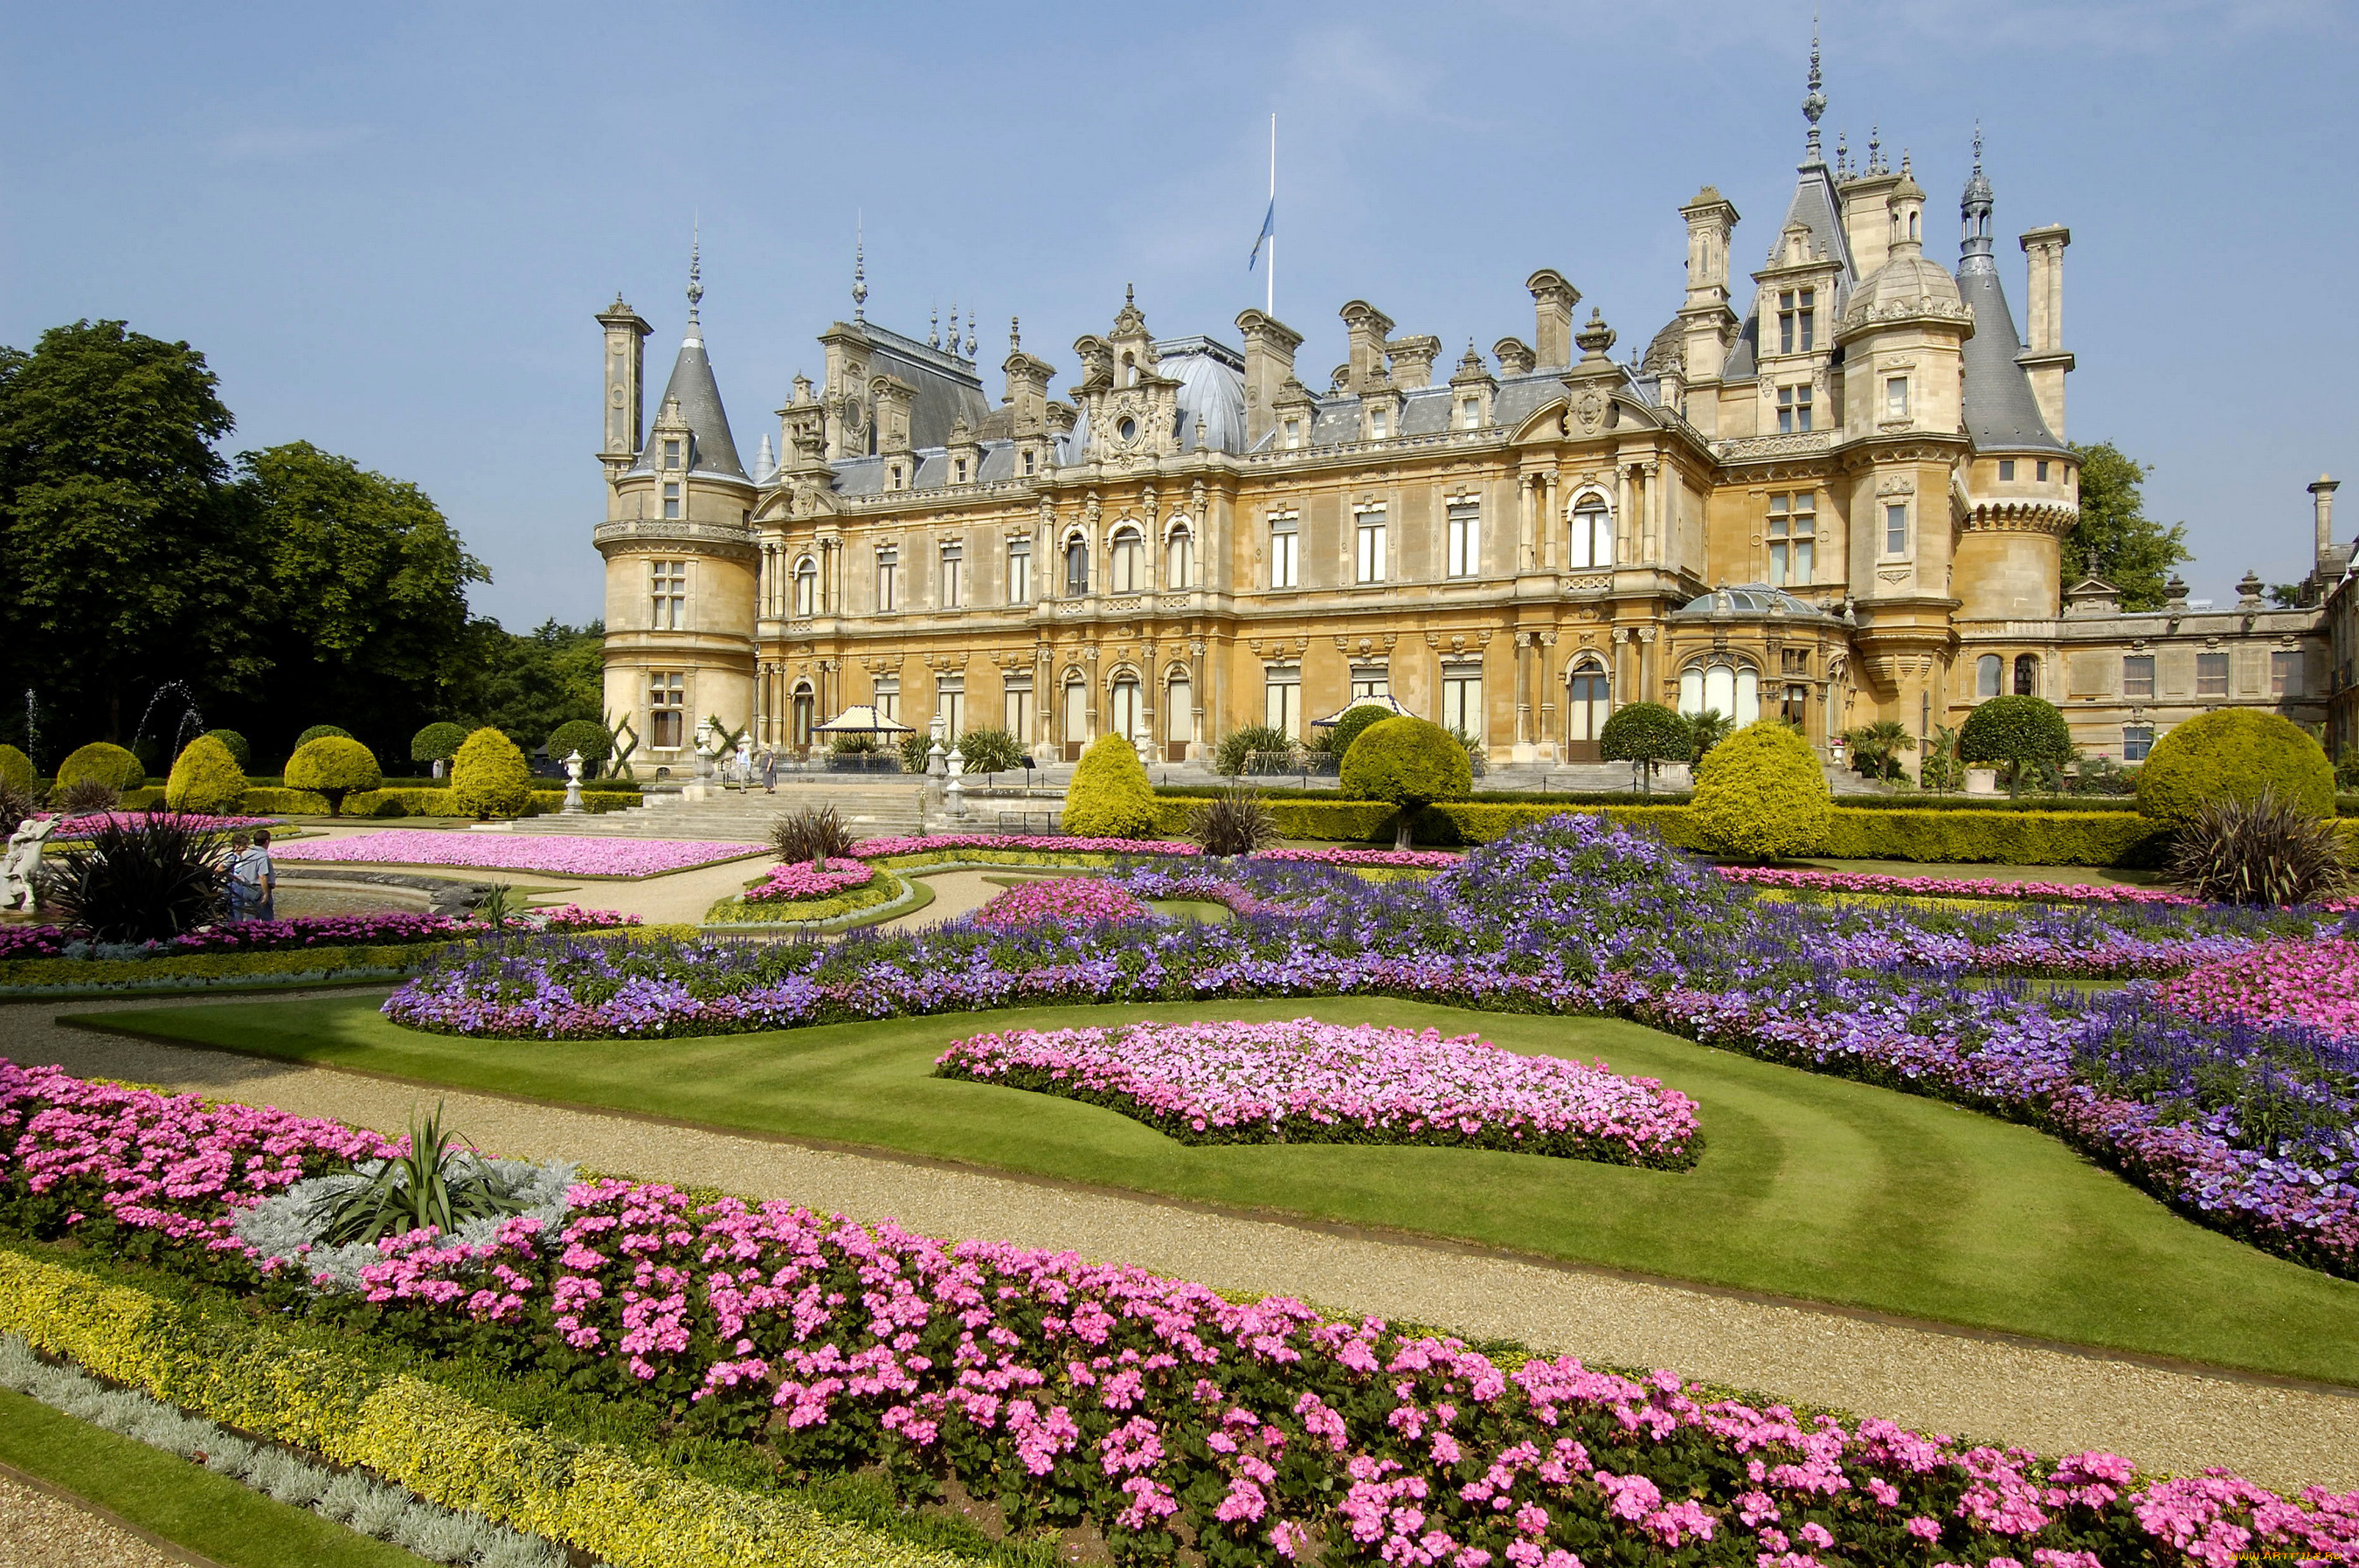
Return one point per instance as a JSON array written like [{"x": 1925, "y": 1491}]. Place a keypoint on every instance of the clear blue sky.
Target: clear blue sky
[{"x": 388, "y": 227}]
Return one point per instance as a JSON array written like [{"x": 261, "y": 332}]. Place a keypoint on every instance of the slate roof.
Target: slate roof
[
  {"x": 2002, "y": 414},
  {"x": 947, "y": 386},
  {"x": 712, "y": 447}
]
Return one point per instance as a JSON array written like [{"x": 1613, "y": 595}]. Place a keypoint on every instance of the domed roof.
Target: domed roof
[
  {"x": 1667, "y": 351},
  {"x": 1211, "y": 391},
  {"x": 1752, "y": 599},
  {"x": 1907, "y": 285}
]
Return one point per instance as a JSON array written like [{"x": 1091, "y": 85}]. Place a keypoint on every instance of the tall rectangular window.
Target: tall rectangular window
[
  {"x": 1379, "y": 423},
  {"x": 1589, "y": 536},
  {"x": 1370, "y": 559},
  {"x": 2211, "y": 675},
  {"x": 1895, "y": 529},
  {"x": 949, "y": 704},
  {"x": 953, "y": 576},
  {"x": 1895, "y": 398},
  {"x": 888, "y": 580},
  {"x": 671, "y": 454},
  {"x": 1282, "y": 698},
  {"x": 1808, "y": 317},
  {"x": 2041, "y": 473},
  {"x": 2137, "y": 740},
  {"x": 1020, "y": 571},
  {"x": 1786, "y": 322},
  {"x": 1293, "y": 435},
  {"x": 1285, "y": 559},
  {"x": 1470, "y": 413},
  {"x": 671, "y": 503},
  {"x": 1464, "y": 552},
  {"x": 888, "y": 697},
  {"x": 667, "y": 592},
  {"x": 2285, "y": 672},
  {"x": 667, "y": 709},
  {"x": 1793, "y": 538},
  {"x": 1016, "y": 709},
  {"x": 1794, "y": 409},
  {"x": 1461, "y": 701},
  {"x": 2137, "y": 675}
]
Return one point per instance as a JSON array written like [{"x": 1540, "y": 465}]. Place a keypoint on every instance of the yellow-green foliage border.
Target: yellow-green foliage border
[
  {"x": 883, "y": 887},
  {"x": 287, "y": 1386},
  {"x": 198, "y": 971}
]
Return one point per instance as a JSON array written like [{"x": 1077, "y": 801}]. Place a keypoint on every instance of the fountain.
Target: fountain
[{"x": 179, "y": 730}]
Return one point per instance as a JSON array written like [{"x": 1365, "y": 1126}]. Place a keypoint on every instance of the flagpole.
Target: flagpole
[{"x": 1269, "y": 283}]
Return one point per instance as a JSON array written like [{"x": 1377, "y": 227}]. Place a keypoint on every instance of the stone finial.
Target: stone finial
[
  {"x": 695, "y": 276},
  {"x": 2175, "y": 592},
  {"x": 1595, "y": 336},
  {"x": 859, "y": 278},
  {"x": 1814, "y": 102},
  {"x": 2248, "y": 590}
]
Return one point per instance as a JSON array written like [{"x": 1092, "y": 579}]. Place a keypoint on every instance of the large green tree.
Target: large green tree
[
  {"x": 120, "y": 565},
  {"x": 526, "y": 684},
  {"x": 2114, "y": 540}
]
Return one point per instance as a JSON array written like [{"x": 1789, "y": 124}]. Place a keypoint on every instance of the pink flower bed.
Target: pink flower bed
[
  {"x": 2315, "y": 982},
  {"x": 1947, "y": 887},
  {"x": 1417, "y": 860},
  {"x": 1047, "y": 843},
  {"x": 1151, "y": 1407},
  {"x": 83, "y": 826},
  {"x": 518, "y": 852},
  {"x": 801, "y": 880},
  {"x": 1308, "y": 1082},
  {"x": 1058, "y": 901}
]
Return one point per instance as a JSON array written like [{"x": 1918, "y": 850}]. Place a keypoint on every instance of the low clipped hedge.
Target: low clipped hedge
[
  {"x": 196, "y": 970},
  {"x": 320, "y": 1393},
  {"x": 418, "y": 802},
  {"x": 883, "y": 887}
]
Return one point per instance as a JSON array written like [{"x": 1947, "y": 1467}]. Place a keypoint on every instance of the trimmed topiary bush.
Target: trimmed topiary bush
[
  {"x": 436, "y": 744},
  {"x": 335, "y": 766},
  {"x": 239, "y": 751},
  {"x": 2019, "y": 731},
  {"x": 205, "y": 779},
  {"x": 1645, "y": 732},
  {"x": 1356, "y": 721},
  {"x": 17, "y": 771},
  {"x": 488, "y": 776},
  {"x": 1761, "y": 795},
  {"x": 587, "y": 736},
  {"x": 1410, "y": 763},
  {"x": 1110, "y": 797},
  {"x": 322, "y": 733},
  {"x": 2234, "y": 753},
  {"x": 100, "y": 762}
]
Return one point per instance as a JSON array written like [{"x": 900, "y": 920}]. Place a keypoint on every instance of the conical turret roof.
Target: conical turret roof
[{"x": 699, "y": 395}]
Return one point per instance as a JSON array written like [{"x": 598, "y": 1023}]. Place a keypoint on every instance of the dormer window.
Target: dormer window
[
  {"x": 898, "y": 477},
  {"x": 1293, "y": 435},
  {"x": 1470, "y": 414},
  {"x": 671, "y": 454},
  {"x": 671, "y": 503},
  {"x": 1794, "y": 410},
  {"x": 1379, "y": 423},
  {"x": 959, "y": 467},
  {"x": 1027, "y": 460}
]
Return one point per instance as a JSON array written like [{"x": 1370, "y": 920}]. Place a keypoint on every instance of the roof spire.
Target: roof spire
[
  {"x": 1874, "y": 150},
  {"x": 859, "y": 269},
  {"x": 1843, "y": 153},
  {"x": 1814, "y": 103},
  {"x": 934, "y": 327},
  {"x": 695, "y": 282},
  {"x": 1974, "y": 215}
]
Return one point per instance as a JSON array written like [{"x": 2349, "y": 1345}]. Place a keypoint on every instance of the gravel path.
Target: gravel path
[
  {"x": 40, "y": 1530},
  {"x": 1987, "y": 1386}
]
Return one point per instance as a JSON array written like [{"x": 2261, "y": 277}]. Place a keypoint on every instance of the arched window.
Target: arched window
[
  {"x": 1127, "y": 566},
  {"x": 802, "y": 722},
  {"x": 1589, "y": 536},
  {"x": 1077, "y": 713},
  {"x": 1588, "y": 702},
  {"x": 1129, "y": 370},
  {"x": 1077, "y": 566},
  {"x": 1180, "y": 558},
  {"x": 806, "y": 587},
  {"x": 1127, "y": 718},
  {"x": 1986, "y": 675},
  {"x": 1179, "y": 716},
  {"x": 1725, "y": 688},
  {"x": 2027, "y": 674}
]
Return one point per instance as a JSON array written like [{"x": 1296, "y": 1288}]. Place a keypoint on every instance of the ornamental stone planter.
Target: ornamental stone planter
[{"x": 1982, "y": 780}]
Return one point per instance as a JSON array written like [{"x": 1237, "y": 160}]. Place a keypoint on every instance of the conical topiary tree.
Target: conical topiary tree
[
  {"x": 488, "y": 776},
  {"x": 205, "y": 779},
  {"x": 1761, "y": 795},
  {"x": 1110, "y": 796}
]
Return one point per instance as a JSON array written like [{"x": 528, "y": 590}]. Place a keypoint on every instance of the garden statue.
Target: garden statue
[
  {"x": 937, "y": 759},
  {"x": 573, "y": 806},
  {"x": 20, "y": 867}
]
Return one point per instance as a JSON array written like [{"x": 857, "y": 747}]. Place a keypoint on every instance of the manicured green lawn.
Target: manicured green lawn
[
  {"x": 186, "y": 1504},
  {"x": 1809, "y": 1186}
]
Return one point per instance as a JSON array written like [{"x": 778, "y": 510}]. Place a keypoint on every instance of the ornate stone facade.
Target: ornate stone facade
[{"x": 1844, "y": 504}]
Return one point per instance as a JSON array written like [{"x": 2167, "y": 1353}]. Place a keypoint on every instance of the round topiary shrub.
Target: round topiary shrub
[
  {"x": 1110, "y": 796},
  {"x": 205, "y": 779},
  {"x": 2017, "y": 731},
  {"x": 335, "y": 766},
  {"x": 2233, "y": 753},
  {"x": 1761, "y": 795},
  {"x": 1645, "y": 732},
  {"x": 17, "y": 771},
  {"x": 1410, "y": 762},
  {"x": 322, "y": 733},
  {"x": 1356, "y": 721},
  {"x": 100, "y": 762},
  {"x": 436, "y": 743},
  {"x": 587, "y": 736},
  {"x": 488, "y": 776},
  {"x": 239, "y": 751}
]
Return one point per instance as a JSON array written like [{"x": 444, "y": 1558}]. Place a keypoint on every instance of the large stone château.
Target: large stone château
[{"x": 1841, "y": 501}]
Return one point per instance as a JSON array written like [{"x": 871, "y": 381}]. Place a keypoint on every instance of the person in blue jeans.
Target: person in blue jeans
[
  {"x": 255, "y": 880},
  {"x": 241, "y": 897}
]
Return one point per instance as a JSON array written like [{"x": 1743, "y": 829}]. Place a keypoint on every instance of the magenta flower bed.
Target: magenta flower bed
[
  {"x": 1415, "y": 859},
  {"x": 1058, "y": 901},
  {"x": 1263, "y": 1432},
  {"x": 383, "y": 929},
  {"x": 1046, "y": 843},
  {"x": 2316, "y": 983},
  {"x": 519, "y": 852},
  {"x": 1308, "y": 1082},
  {"x": 801, "y": 880},
  {"x": 83, "y": 826},
  {"x": 1948, "y": 887}
]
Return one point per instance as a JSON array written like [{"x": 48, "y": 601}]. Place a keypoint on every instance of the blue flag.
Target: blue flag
[{"x": 1268, "y": 230}]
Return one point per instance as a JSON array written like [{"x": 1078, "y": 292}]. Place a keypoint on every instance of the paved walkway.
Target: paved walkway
[{"x": 2051, "y": 1399}]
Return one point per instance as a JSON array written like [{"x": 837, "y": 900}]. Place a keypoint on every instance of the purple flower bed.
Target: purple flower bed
[
  {"x": 1308, "y": 1082},
  {"x": 1148, "y": 1408},
  {"x": 2248, "y": 1128},
  {"x": 1059, "y": 902},
  {"x": 384, "y": 929},
  {"x": 801, "y": 880},
  {"x": 519, "y": 852}
]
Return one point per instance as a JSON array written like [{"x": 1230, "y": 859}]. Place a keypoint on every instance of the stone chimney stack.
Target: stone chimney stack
[
  {"x": 1413, "y": 360},
  {"x": 2321, "y": 506},
  {"x": 1552, "y": 302},
  {"x": 1367, "y": 328},
  {"x": 2044, "y": 358},
  {"x": 1269, "y": 365}
]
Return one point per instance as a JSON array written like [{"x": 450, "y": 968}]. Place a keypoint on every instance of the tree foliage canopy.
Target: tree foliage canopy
[{"x": 2116, "y": 540}]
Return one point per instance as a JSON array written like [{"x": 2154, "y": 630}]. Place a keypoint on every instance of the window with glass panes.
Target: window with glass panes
[
  {"x": 1797, "y": 319},
  {"x": 667, "y": 592},
  {"x": 667, "y": 709},
  {"x": 1464, "y": 548},
  {"x": 1794, "y": 409},
  {"x": 1180, "y": 558},
  {"x": 2211, "y": 675},
  {"x": 2137, "y": 740},
  {"x": 1370, "y": 557},
  {"x": 888, "y": 580},
  {"x": 806, "y": 587},
  {"x": 2137, "y": 675},
  {"x": 1282, "y": 698},
  {"x": 1793, "y": 538},
  {"x": 953, "y": 576},
  {"x": 1016, "y": 709},
  {"x": 1895, "y": 398},
  {"x": 1461, "y": 701},
  {"x": 888, "y": 697},
  {"x": 671, "y": 503},
  {"x": 949, "y": 704},
  {"x": 1895, "y": 529},
  {"x": 671, "y": 454},
  {"x": 1285, "y": 550},
  {"x": 1020, "y": 571},
  {"x": 1589, "y": 536},
  {"x": 2285, "y": 672},
  {"x": 1077, "y": 566},
  {"x": 1370, "y": 680},
  {"x": 1127, "y": 566}
]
